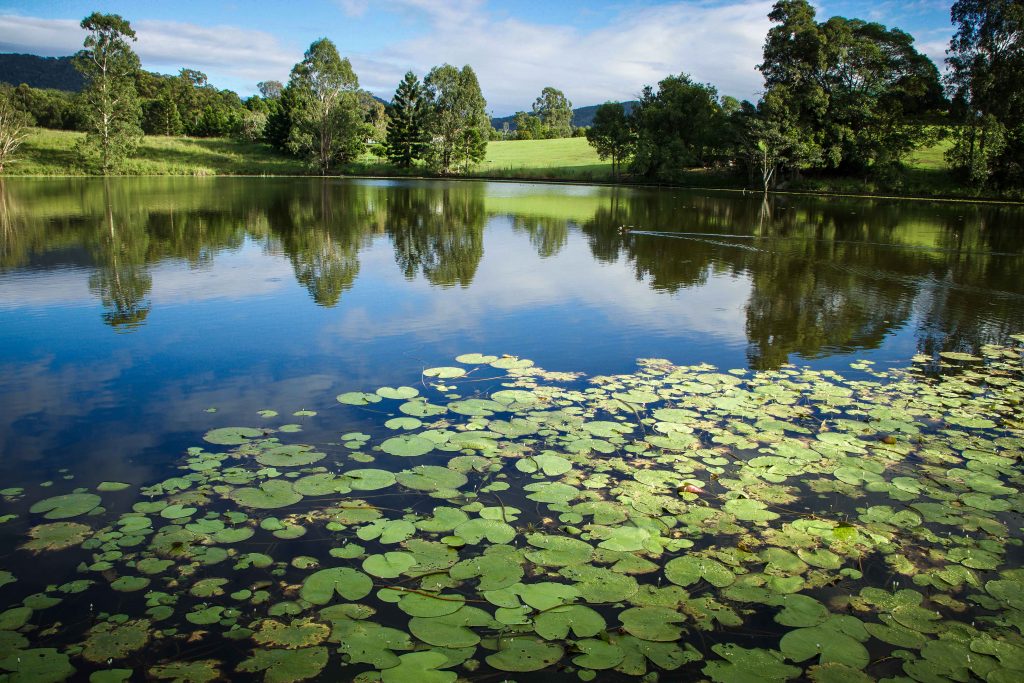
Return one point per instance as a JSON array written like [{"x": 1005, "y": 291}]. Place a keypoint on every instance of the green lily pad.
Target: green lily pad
[
  {"x": 300, "y": 633},
  {"x": 524, "y": 654},
  {"x": 286, "y": 666},
  {"x": 199, "y": 671},
  {"x": 108, "y": 640},
  {"x": 268, "y": 495},
  {"x": 231, "y": 436},
  {"x": 57, "y": 536},
  {"x": 319, "y": 588},
  {"x": 357, "y": 398},
  {"x": 398, "y": 393},
  {"x": 67, "y": 505},
  {"x": 407, "y": 446},
  {"x": 445, "y": 372},
  {"x": 652, "y": 623},
  {"x": 419, "y": 667}
]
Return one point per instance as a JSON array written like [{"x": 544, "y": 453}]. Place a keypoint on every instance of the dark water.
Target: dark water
[
  {"x": 137, "y": 314},
  {"x": 128, "y": 307}
]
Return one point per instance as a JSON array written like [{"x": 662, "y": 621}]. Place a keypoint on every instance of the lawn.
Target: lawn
[
  {"x": 52, "y": 152},
  {"x": 560, "y": 158}
]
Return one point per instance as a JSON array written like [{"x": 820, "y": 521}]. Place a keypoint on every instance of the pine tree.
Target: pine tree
[
  {"x": 110, "y": 103},
  {"x": 407, "y": 130}
]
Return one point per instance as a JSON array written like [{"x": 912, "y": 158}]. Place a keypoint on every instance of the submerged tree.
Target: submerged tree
[
  {"x": 407, "y": 137},
  {"x": 459, "y": 126},
  {"x": 326, "y": 118},
  {"x": 110, "y": 103}
]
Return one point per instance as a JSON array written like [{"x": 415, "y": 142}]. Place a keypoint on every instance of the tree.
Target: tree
[
  {"x": 680, "y": 125},
  {"x": 14, "y": 126},
  {"x": 326, "y": 116},
  {"x": 110, "y": 104},
  {"x": 161, "y": 117},
  {"x": 458, "y": 123},
  {"x": 528, "y": 126},
  {"x": 857, "y": 94},
  {"x": 555, "y": 113},
  {"x": 407, "y": 138},
  {"x": 270, "y": 90},
  {"x": 986, "y": 60},
  {"x": 611, "y": 135}
]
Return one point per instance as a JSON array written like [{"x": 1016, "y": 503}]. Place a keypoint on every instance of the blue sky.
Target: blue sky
[{"x": 593, "y": 50}]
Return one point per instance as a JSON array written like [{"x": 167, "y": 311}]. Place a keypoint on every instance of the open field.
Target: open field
[{"x": 52, "y": 152}]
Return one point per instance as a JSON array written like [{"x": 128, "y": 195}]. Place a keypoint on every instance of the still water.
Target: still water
[{"x": 138, "y": 314}]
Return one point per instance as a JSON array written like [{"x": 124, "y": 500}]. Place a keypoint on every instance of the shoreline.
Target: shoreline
[{"x": 545, "y": 181}]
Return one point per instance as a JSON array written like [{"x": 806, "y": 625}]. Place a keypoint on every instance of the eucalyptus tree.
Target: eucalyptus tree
[
  {"x": 986, "y": 60},
  {"x": 326, "y": 117},
  {"x": 14, "y": 128},
  {"x": 407, "y": 137},
  {"x": 110, "y": 104},
  {"x": 554, "y": 110},
  {"x": 458, "y": 125}
]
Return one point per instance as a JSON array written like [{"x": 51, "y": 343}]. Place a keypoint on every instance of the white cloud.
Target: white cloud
[
  {"x": 515, "y": 59},
  {"x": 232, "y": 57}
]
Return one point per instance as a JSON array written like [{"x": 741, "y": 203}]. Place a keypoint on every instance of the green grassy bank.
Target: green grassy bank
[{"x": 53, "y": 153}]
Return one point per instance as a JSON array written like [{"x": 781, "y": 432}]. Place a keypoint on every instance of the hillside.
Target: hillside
[
  {"x": 57, "y": 73},
  {"x": 581, "y": 116}
]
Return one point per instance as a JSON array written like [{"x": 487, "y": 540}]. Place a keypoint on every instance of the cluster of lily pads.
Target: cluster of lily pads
[{"x": 508, "y": 522}]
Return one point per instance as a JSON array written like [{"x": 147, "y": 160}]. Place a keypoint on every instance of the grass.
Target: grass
[{"x": 52, "y": 152}]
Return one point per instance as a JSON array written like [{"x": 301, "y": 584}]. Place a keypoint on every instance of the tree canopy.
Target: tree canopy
[{"x": 110, "y": 103}]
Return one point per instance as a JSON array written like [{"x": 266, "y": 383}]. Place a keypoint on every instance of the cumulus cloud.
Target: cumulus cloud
[
  {"x": 232, "y": 57},
  {"x": 515, "y": 59}
]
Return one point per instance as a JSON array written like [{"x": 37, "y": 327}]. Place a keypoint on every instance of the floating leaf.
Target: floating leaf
[
  {"x": 319, "y": 588},
  {"x": 66, "y": 506}
]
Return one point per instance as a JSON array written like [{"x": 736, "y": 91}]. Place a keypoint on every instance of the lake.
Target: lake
[{"x": 289, "y": 429}]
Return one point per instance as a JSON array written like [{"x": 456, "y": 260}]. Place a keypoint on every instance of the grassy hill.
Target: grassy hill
[{"x": 52, "y": 152}]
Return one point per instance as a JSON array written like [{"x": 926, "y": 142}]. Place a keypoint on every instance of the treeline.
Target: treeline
[
  {"x": 845, "y": 97},
  {"x": 842, "y": 97}
]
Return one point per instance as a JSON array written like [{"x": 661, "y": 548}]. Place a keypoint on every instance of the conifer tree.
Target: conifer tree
[{"x": 407, "y": 130}]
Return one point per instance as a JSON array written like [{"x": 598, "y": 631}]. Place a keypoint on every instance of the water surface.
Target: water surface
[{"x": 137, "y": 314}]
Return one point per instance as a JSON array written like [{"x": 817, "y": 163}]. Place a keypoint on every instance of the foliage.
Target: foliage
[
  {"x": 611, "y": 134},
  {"x": 110, "y": 103},
  {"x": 846, "y": 94},
  {"x": 161, "y": 117},
  {"x": 407, "y": 138},
  {"x": 14, "y": 127},
  {"x": 678, "y": 126},
  {"x": 554, "y": 110},
  {"x": 458, "y": 123},
  {"x": 986, "y": 59},
  {"x": 326, "y": 116}
]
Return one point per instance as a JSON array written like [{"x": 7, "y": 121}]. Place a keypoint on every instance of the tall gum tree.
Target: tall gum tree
[
  {"x": 110, "y": 103},
  {"x": 326, "y": 114}
]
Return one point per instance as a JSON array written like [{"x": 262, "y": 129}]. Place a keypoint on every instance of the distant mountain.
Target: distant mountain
[
  {"x": 40, "y": 72},
  {"x": 581, "y": 116}
]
